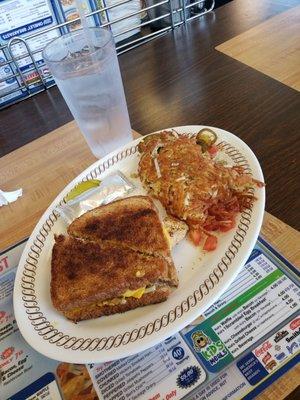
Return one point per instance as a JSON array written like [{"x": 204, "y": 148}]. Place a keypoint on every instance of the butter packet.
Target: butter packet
[{"x": 93, "y": 193}]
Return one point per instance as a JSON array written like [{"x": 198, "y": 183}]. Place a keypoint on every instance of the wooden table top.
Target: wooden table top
[
  {"x": 186, "y": 81},
  {"x": 180, "y": 79},
  {"x": 270, "y": 47},
  {"x": 43, "y": 168}
]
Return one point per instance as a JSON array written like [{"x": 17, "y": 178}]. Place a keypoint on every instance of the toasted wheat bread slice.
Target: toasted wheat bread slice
[
  {"x": 132, "y": 222},
  {"x": 84, "y": 273}
]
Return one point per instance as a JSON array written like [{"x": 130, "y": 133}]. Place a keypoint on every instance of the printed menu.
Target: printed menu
[
  {"x": 23, "y": 18},
  {"x": 247, "y": 339},
  {"x": 67, "y": 12},
  {"x": 8, "y": 84}
]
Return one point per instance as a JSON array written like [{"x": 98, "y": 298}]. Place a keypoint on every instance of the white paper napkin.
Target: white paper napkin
[{"x": 9, "y": 197}]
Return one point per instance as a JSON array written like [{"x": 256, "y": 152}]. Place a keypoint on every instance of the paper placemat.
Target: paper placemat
[{"x": 245, "y": 341}]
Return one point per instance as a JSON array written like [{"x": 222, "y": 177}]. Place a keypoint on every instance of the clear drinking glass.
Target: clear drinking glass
[{"x": 87, "y": 73}]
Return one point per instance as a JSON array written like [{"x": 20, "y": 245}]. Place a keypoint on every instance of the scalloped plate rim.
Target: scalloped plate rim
[{"x": 88, "y": 356}]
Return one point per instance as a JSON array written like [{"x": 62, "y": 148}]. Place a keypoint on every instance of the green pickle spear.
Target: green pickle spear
[{"x": 81, "y": 188}]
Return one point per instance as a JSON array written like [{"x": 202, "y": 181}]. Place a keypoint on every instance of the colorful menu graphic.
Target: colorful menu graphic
[
  {"x": 261, "y": 297},
  {"x": 23, "y": 18},
  {"x": 247, "y": 339}
]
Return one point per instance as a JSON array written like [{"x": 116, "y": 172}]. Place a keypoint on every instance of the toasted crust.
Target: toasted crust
[
  {"x": 131, "y": 222},
  {"x": 84, "y": 272},
  {"x": 95, "y": 311},
  {"x": 107, "y": 251}
]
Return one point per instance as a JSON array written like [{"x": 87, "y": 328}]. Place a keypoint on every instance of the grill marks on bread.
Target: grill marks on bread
[
  {"x": 99, "y": 272},
  {"x": 134, "y": 224},
  {"x": 107, "y": 251}
]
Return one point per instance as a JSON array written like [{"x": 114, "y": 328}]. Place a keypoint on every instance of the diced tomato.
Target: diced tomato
[
  {"x": 210, "y": 243},
  {"x": 195, "y": 236},
  {"x": 213, "y": 150}
]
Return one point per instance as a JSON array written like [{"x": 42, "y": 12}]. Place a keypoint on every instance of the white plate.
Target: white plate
[{"x": 203, "y": 277}]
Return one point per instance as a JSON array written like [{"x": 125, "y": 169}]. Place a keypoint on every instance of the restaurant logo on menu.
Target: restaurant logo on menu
[
  {"x": 280, "y": 335},
  {"x": 292, "y": 337},
  {"x": 263, "y": 349},
  {"x": 200, "y": 340},
  {"x": 208, "y": 346},
  {"x": 295, "y": 324},
  {"x": 212, "y": 351}
]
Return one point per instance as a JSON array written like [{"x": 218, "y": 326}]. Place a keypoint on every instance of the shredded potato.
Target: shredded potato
[{"x": 191, "y": 185}]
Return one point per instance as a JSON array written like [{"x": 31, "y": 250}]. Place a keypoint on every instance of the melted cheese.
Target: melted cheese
[
  {"x": 166, "y": 234},
  {"x": 137, "y": 293}
]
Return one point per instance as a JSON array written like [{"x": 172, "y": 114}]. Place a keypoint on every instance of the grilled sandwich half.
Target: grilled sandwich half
[{"x": 115, "y": 258}]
